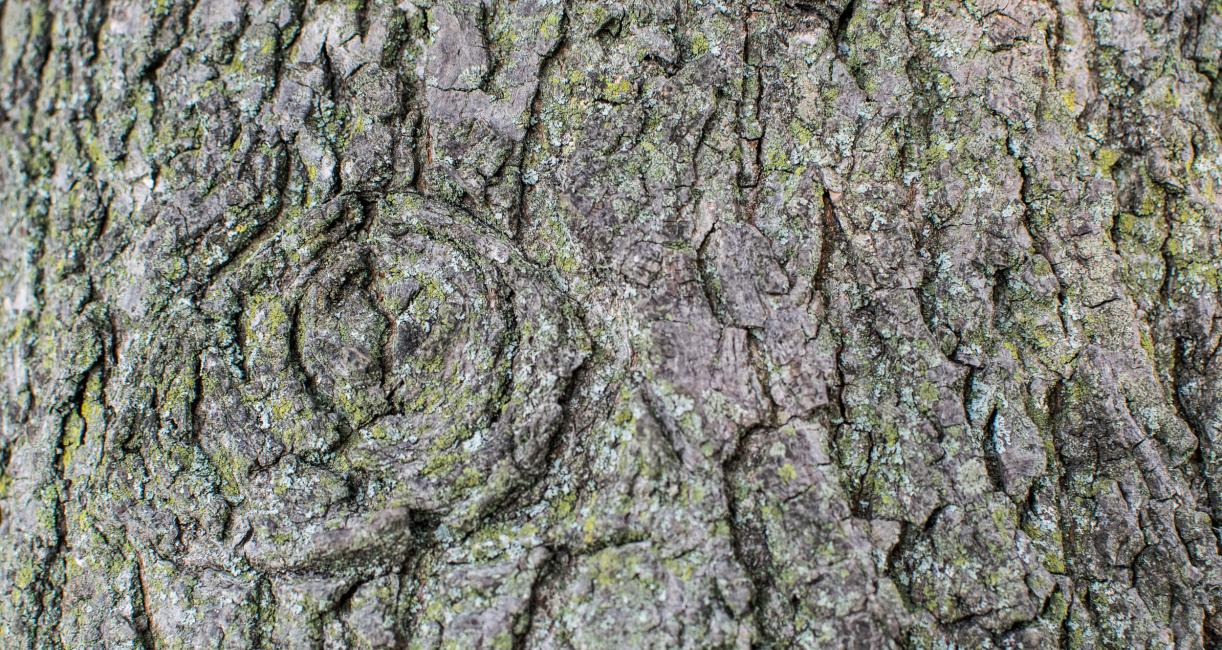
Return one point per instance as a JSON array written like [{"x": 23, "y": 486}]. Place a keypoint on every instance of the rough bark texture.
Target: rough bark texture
[{"x": 543, "y": 323}]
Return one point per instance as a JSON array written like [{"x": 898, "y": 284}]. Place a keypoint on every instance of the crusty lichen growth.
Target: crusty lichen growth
[{"x": 597, "y": 324}]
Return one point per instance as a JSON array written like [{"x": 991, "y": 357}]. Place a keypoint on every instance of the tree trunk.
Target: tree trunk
[{"x": 555, "y": 323}]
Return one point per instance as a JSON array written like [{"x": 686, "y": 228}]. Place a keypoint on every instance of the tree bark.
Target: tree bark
[{"x": 555, "y": 323}]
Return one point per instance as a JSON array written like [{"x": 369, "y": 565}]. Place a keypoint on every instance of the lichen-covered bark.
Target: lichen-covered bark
[{"x": 555, "y": 323}]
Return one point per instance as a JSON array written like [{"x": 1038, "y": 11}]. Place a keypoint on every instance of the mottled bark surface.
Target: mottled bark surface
[{"x": 548, "y": 324}]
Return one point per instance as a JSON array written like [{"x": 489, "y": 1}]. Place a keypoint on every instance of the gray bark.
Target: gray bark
[{"x": 555, "y": 323}]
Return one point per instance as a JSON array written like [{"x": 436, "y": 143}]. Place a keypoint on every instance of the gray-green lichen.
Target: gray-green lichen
[{"x": 554, "y": 323}]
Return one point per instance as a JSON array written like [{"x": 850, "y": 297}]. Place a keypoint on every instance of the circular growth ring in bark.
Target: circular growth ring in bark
[{"x": 428, "y": 362}]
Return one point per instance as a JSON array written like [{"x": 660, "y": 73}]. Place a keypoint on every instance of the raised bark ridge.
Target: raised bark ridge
[{"x": 546, "y": 323}]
